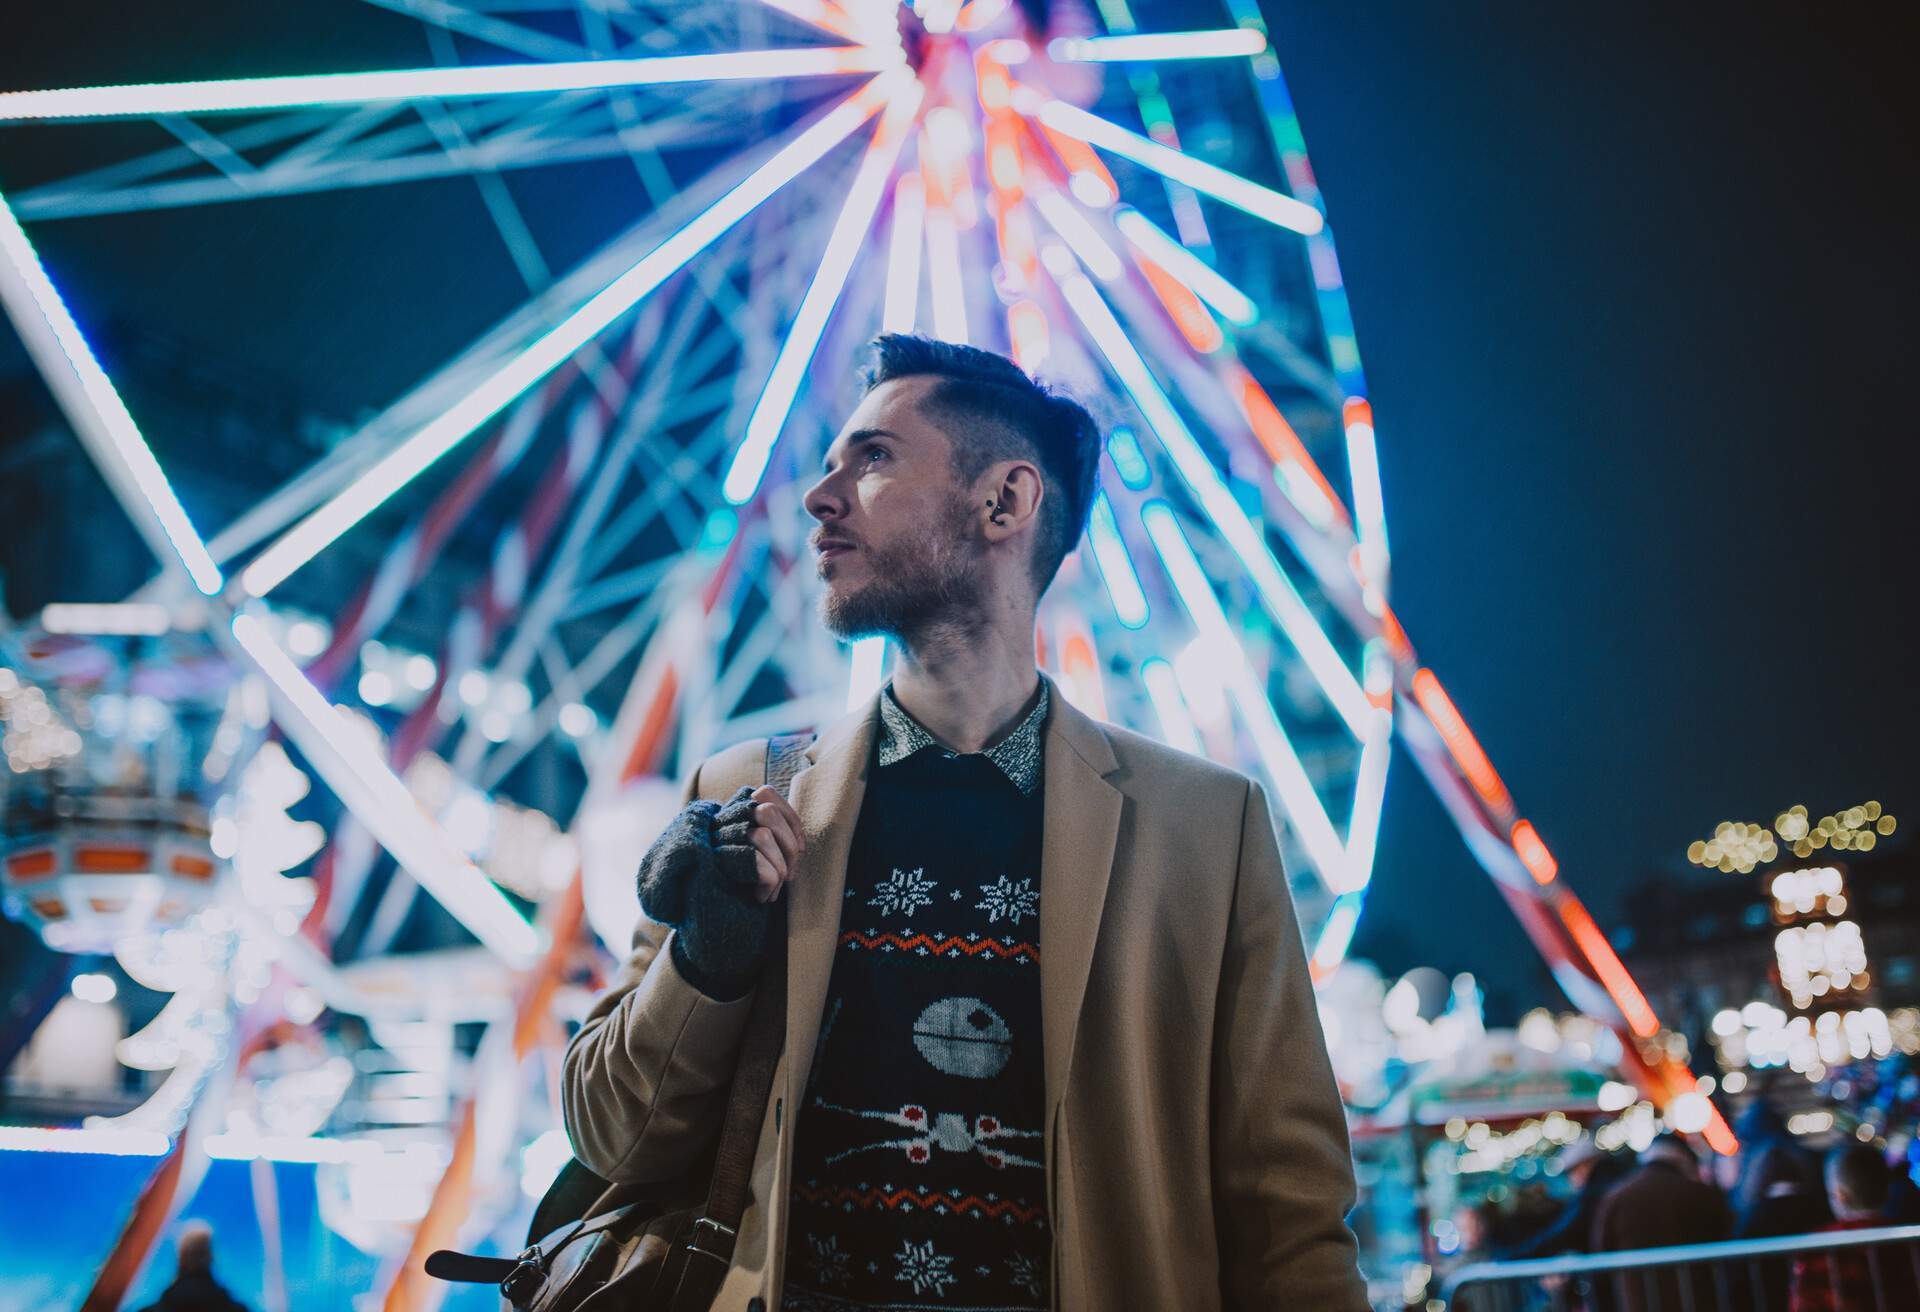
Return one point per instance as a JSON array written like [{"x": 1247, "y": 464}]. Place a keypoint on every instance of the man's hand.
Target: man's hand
[
  {"x": 711, "y": 874},
  {"x": 768, "y": 824}
]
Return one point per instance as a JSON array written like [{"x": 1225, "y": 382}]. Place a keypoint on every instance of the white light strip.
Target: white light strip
[
  {"x": 1075, "y": 229},
  {"x": 400, "y": 466},
  {"x": 252, "y": 94},
  {"x": 1369, "y": 794},
  {"x": 816, "y": 307},
  {"x": 1176, "y": 722},
  {"x": 1116, "y": 567},
  {"x": 106, "y": 617},
  {"x": 1336, "y": 935},
  {"x": 1197, "y": 470},
  {"x": 1190, "y": 269},
  {"x": 1297, "y": 797},
  {"x": 867, "y": 668},
  {"x": 1227, "y": 43},
  {"x": 364, "y": 781},
  {"x": 114, "y": 1142},
  {"x": 1261, "y": 202},
  {"x": 948, "y": 293},
  {"x": 903, "y": 255},
  {"x": 93, "y": 405},
  {"x": 937, "y": 15},
  {"x": 1369, "y": 511}
]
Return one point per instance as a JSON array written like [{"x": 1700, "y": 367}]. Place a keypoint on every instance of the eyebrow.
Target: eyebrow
[{"x": 855, "y": 438}]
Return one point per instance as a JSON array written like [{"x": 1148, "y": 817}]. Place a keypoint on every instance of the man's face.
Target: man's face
[{"x": 898, "y": 545}]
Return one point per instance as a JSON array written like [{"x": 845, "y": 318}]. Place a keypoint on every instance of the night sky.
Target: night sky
[{"x": 1634, "y": 292}]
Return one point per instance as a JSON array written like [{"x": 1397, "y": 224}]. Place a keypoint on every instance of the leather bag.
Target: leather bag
[{"x": 658, "y": 1247}]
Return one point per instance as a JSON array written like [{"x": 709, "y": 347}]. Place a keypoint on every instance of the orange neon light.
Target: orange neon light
[
  {"x": 1533, "y": 853},
  {"x": 1081, "y": 161},
  {"x": 1613, "y": 974},
  {"x": 1276, "y": 435},
  {"x": 1190, "y": 316},
  {"x": 37, "y": 864},
  {"x": 102, "y": 860},
  {"x": 1464, "y": 747},
  {"x": 1027, "y": 330}
]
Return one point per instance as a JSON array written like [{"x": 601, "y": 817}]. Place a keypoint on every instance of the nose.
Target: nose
[{"x": 823, "y": 503}]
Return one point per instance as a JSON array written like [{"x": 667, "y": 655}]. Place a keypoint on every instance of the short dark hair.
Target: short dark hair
[
  {"x": 1862, "y": 1173},
  {"x": 1005, "y": 414}
]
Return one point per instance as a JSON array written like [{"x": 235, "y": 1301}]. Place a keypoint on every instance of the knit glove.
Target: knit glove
[{"x": 699, "y": 878}]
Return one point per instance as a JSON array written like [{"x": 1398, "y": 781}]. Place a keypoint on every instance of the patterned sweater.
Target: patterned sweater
[{"x": 919, "y": 1177}]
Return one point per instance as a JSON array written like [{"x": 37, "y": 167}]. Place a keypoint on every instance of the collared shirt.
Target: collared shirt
[{"x": 1017, "y": 755}]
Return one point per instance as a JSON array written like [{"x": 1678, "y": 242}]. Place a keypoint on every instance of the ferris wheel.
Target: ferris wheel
[{"x": 1117, "y": 195}]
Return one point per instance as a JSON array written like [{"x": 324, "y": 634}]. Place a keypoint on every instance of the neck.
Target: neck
[{"x": 968, "y": 689}]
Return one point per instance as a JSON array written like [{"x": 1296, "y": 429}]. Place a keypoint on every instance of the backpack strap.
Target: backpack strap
[{"x": 760, "y": 1047}]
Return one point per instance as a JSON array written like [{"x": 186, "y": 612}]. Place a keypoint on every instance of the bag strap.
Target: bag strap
[{"x": 760, "y": 1046}]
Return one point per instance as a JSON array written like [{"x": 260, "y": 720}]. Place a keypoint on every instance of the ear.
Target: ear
[{"x": 1011, "y": 503}]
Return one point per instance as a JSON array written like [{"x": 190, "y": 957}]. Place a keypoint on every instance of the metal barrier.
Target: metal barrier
[{"x": 1844, "y": 1271}]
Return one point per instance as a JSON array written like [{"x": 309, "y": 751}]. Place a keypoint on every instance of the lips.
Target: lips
[{"x": 831, "y": 548}]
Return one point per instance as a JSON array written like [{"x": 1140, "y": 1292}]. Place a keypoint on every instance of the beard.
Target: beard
[{"x": 929, "y": 581}]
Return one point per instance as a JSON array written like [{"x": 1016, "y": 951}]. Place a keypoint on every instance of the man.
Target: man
[
  {"x": 1661, "y": 1203},
  {"x": 1051, "y": 1040},
  {"x": 194, "y": 1289},
  {"x": 1854, "y": 1279}
]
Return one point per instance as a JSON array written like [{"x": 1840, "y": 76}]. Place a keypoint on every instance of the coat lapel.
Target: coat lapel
[
  {"x": 1080, "y": 829},
  {"x": 826, "y": 795}
]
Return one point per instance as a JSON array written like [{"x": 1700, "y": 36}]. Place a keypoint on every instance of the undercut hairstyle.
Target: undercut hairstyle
[
  {"x": 996, "y": 412},
  {"x": 1862, "y": 1174}
]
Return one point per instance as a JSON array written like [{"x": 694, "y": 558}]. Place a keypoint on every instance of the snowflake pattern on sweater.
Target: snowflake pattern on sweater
[{"x": 919, "y": 1170}]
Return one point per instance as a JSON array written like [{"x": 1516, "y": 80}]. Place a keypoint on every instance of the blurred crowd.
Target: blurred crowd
[{"x": 1666, "y": 1195}]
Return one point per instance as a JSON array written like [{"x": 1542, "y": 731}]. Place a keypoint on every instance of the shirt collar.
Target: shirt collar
[{"x": 1017, "y": 755}]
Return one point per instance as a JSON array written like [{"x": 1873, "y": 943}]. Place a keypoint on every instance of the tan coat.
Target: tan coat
[{"x": 1196, "y": 1149}]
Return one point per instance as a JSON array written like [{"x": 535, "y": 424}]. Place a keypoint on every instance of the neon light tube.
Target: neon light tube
[
  {"x": 1078, "y": 233},
  {"x": 1533, "y": 852},
  {"x": 1116, "y": 567},
  {"x": 1336, "y": 935},
  {"x": 1228, "y": 43},
  {"x": 251, "y": 94},
  {"x": 360, "y": 776},
  {"x": 399, "y": 467},
  {"x": 1261, "y": 202},
  {"x": 948, "y": 293},
  {"x": 903, "y": 255},
  {"x": 1297, "y": 797},
  {"x": 99, "y": 416},
  {"x": 113, "y": 1141},
  {"x": 937, "y": 15},
  {"x": 1363, "y": 469},
  {"x": 1606, "y": 964},
  {"x": 1163, "y": 690},
  {"x": 829, "y": 280},
  {"x": 248, "y": 95},
  {"x": 1190, "y": 269},
  {"x": 1197, "y": 470},
  {"x": 1465, "y": 749}
]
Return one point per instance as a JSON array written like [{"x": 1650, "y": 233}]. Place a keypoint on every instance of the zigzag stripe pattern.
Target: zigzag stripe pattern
[
  {"x": 942, "y": 946},
  {"x": 900, "y": 1199}
]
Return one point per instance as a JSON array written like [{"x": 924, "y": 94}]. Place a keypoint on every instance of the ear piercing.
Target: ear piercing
[{"x": 999, "y": 511}]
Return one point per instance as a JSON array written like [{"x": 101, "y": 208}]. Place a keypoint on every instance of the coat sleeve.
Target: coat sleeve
[
  {"x": 643, "y": 1084},
  {"x": 1282, "y": 1169}
]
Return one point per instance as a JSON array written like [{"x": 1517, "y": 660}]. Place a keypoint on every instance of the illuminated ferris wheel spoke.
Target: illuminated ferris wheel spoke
[
  {"x": 414, "y": 455},
  {"x": 1196, "y": 469},
  {"x": 94, "y": 406},
  {"x": 1241, "y": 193},
  {"x": 843, "y": 245},
  {"x": 1227, "y": 43},
  {"x": 305, "y": 92}
]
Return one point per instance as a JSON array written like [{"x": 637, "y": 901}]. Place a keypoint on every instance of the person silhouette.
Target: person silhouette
[{"x": 194, "y": 1289}]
